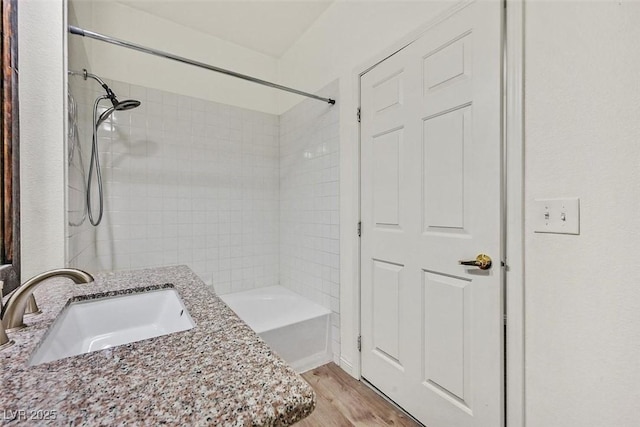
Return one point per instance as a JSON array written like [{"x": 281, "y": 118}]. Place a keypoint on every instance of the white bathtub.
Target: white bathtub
[{"x": 294, "y": 327}]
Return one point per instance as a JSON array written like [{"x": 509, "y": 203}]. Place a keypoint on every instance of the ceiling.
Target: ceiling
[{"x": 267, "y": 26}]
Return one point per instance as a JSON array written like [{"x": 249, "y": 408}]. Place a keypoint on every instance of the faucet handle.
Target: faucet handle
[
  {"x": 5, "y": 342},
  {"x": 32, "y": 307},
  {"x": 4, "y": 339}
]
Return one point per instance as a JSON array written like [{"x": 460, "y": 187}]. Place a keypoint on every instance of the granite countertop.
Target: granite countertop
[{"x": 218, "y": 373}]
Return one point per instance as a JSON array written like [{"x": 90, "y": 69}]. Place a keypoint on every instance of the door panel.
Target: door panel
[
  {"x": 387, "y": 279},
  {"x": 446, "y": 302},
  {"x": 386, "y": 178},
  {"x": 430, "y": 196},
  {"x": 443, "y": 168}
]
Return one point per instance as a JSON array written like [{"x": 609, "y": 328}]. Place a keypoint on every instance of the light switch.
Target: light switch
[{"x": 560, "y": 216}]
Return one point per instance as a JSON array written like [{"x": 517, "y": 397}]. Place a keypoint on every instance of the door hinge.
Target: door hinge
[
  {"x": 359, "y": 115},
  {"x": 360, "y": 343},
  {"x": 359, "y": 228},
  {"x": 504, "y": 319}
]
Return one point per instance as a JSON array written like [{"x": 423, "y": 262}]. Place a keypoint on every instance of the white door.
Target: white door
[{"x": 432, "y": 329}]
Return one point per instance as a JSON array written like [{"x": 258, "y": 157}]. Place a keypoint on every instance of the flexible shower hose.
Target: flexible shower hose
[{"x": 94, "y": 163}]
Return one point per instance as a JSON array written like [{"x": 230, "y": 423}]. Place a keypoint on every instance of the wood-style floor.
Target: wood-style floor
[{"x": 343, "y": 401}]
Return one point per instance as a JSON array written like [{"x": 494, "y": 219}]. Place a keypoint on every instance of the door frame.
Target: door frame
[{"x": 513, "y": 195}]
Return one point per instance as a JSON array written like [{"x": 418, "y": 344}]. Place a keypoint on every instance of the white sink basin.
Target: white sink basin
[{"x": 86, "y": 326}]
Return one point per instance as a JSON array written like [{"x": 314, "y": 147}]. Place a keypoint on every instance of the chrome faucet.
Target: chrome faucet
[{"x": 12, "y": 314}]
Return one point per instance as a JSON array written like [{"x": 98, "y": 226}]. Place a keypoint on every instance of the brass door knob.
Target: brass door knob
[{"x": 482, "y": 261}]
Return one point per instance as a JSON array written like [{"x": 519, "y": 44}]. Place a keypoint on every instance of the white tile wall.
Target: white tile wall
[
  {"x": 186, "y": 182},
  {"x": 309, "y": 204},
  {"x": 81, "y": 238}
]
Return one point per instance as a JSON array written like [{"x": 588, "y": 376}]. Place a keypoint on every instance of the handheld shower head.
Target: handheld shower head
[{"x": 127, "y": 104}]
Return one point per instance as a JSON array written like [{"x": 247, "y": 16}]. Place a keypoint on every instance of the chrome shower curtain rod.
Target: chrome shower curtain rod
[{"x": 86, "y": 33}]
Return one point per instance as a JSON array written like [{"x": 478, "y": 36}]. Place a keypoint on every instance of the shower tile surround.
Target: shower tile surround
[
  {"x": 309, "y": 204},
  {"x": 185, "y": 182},
  {"x": 81, "y": 247},
  {"x": 246, "y": 199}
]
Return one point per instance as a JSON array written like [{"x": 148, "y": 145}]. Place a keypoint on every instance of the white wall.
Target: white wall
[
  {"x": 345, "y": 36},
  {"x": 309, "y": 204},
  {"x": 120, "y": 21},
  {"x": 42, "y": 65},
  {"x": 583, "y": 139}
]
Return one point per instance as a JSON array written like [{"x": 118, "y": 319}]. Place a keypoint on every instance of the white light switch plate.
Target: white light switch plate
[{"x": 561, "y": 216}]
